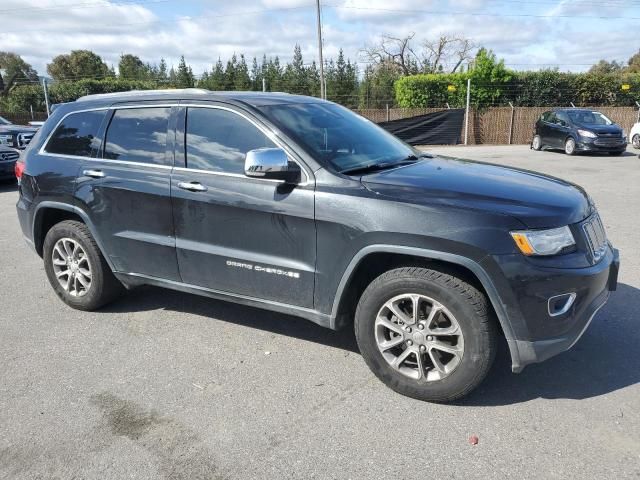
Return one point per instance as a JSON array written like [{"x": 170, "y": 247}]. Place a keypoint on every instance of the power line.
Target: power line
[{"x": 479, "y": 14}]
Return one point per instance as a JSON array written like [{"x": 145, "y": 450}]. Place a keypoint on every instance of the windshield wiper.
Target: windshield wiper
[{"x": 376, "y": 167}]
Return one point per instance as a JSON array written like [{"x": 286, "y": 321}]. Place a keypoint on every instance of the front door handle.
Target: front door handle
[
  {"x": 192, "y": 186},
  {"x": 93, "y": 173}
]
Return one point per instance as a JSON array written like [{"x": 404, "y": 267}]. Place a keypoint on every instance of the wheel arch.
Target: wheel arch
[
  {"x": 374, "y": 260},
  {"x": 48, "y": 214}
]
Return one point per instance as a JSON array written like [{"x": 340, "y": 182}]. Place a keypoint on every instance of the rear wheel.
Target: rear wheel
[
  {"x": 426, "y": 334},
  {"x": 635, "y": 141},
  {"x": 536, "y": 144},
  {"x": 76, "y": 269},
  {"x": 570, "y": 146}
]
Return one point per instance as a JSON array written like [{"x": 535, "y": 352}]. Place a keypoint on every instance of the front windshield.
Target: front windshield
[
  {"x": 334, "y": 134},
  {"x": 4, "y": 121},
  {"x": 583, "y": 117}
]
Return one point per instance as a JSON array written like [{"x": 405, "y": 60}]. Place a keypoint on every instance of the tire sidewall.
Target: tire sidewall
[
  {"x": 536, "y": 144},
  {"x": 92, "y": 298},
  {"x": 635, "y": 141},
  {"x": 570, "y": 151},
  {"x": 475, "y": 340}
]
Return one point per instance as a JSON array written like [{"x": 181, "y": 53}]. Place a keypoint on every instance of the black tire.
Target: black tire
[
  {"x": 570, "y": 146},
  {"x": 465, "y": 302},
  {"x": 536, "y": 143},
  {"x": 635, "y": 141},
  {"x": 104, "y": 286}
]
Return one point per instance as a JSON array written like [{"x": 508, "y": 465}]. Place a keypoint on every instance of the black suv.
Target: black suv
[
  {"x": 578, "y": 130},
  {"x": 301, "y": 206}
]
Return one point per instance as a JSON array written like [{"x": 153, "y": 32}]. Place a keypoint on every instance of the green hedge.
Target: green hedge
[
  {"x": 22, "y": 97},
  {"x": 543, "y": 88}
]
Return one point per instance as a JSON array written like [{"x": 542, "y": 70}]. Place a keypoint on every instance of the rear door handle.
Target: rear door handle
[
  {"x": 93, "y": 173},
  {"x": 192, "y": 186}
]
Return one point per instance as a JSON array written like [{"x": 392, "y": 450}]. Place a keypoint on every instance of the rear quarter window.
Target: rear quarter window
[
  {"x": 138, "y": 135},
  {"x": 77, "y": 135}
]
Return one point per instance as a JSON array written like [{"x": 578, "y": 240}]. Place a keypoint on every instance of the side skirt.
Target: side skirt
[{"x": 134, "y": 279}]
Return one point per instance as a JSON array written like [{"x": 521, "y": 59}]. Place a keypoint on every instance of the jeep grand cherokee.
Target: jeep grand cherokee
[{"x": 298, "y": 205}]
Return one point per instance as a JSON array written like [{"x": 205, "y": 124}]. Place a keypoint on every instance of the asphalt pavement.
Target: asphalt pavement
[{"x": 165, "y": 385}]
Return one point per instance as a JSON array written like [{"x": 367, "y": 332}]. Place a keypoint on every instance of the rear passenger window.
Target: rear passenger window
[
  {"x": 218, "y": 140},
  {"x": 138, "y": 135},
  {"x": 76, "y": 135}
]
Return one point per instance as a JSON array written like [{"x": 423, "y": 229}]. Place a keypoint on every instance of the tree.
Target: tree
[
  {"x": 131, "y": 67},
  {"x": 634, "y": 64},
  {"x": 242, "y": 81},
  {"x": 295, "y": 74},
  {"x": 376, "y": 88},
  {"x": 489, "y": 78},
  {"x": 446, "y": 54},
  {"x": 77, "y": 65},
  {"x": 184, "y": 75},
  {"x": 14, "y": 70},
  {"x": 256, "y": 76},
  {"x": 605, "y": 67}
]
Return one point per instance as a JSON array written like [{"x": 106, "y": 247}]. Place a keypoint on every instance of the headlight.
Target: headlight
[
  {"x": 8, "y": 139},
  {"x": 586, "y": 133},
  {"x": 543, "y": 242}
]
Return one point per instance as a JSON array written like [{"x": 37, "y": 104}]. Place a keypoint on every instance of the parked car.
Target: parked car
[
  {"x": 578, "y": 130},
  {"x": 8, "y": 159},
  {"x": 634, "y": 135},
  {"x": 301, "y": 206},
  {"x": 15, "y": 136}
]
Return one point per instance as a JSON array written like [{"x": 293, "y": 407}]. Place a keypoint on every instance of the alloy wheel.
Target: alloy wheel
[
  {"x": 419, "y": 337},
  {"x": 71, "y": 267}
]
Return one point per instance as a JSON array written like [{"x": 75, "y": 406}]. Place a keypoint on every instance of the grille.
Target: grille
[
  {"x": 24, "y": 139},
  {"x": 8, "y": 156},
  {"x": 596, "y": 237},
  {"x": 608, "y": 141}
]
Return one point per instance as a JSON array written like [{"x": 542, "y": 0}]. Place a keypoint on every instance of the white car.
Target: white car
[{"x": 634, "y": 135}]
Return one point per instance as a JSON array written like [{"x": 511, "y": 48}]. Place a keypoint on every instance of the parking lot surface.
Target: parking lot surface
[{"x": 168, "y": 385}]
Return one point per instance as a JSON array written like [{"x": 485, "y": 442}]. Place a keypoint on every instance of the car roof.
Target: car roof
[
  {"x": 574, "y": 109},
  {"x": 255, "y": 99}
]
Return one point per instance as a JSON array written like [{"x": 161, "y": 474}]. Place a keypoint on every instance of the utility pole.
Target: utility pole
[
  {"x": 466, "y": 120},
  {"x": 323, "y": 93},
  {"x": 46, "y": 95},
  {"x": 264, "y": 84}
]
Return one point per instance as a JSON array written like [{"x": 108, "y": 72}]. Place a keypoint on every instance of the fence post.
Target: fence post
[
  {"x": 511, "y": 122},
  {"x": 388, "y": 118},
  {"x": 466, "y": 120},
  {"x": 31, "y": 110},
  {"x": 46, "y": 95},
  {"x": 264, "y": 84}
]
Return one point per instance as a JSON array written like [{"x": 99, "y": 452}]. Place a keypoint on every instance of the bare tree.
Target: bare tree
[
  {"x": 447, "y": 53},
  {"x": 395, "y": 51}
]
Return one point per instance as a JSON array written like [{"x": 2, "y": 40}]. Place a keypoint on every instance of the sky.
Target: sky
[{"x": 528, "y": 34}]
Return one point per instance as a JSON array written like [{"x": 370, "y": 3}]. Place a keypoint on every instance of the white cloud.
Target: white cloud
[{"x": 39, "y": 30}]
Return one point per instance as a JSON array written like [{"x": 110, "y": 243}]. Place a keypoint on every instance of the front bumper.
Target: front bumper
[
  {"x": 601, "y": 145},
  {"x": 538, "y": 335},
  {"x": 7, "y": 170}
]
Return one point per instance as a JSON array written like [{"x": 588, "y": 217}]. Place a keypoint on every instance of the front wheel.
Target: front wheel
[
  {"x": 570, "y": 146},
  {"x": 635, "y": 141},
  {"x": 426, "y": 334},
  {"x": 536, "y": 143}
]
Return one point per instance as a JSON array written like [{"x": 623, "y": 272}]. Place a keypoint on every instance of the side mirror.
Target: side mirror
[{"x": 271, "y": 163}]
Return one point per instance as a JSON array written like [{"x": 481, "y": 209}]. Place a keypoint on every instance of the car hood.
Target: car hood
[
  {"x": 601, "y": 129},
  {"x": 536, "y": 200},
  {"x": 17, "y": 128}
]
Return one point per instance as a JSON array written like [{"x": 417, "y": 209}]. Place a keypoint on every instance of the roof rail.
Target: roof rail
[{"x": 137, "y": 93}]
